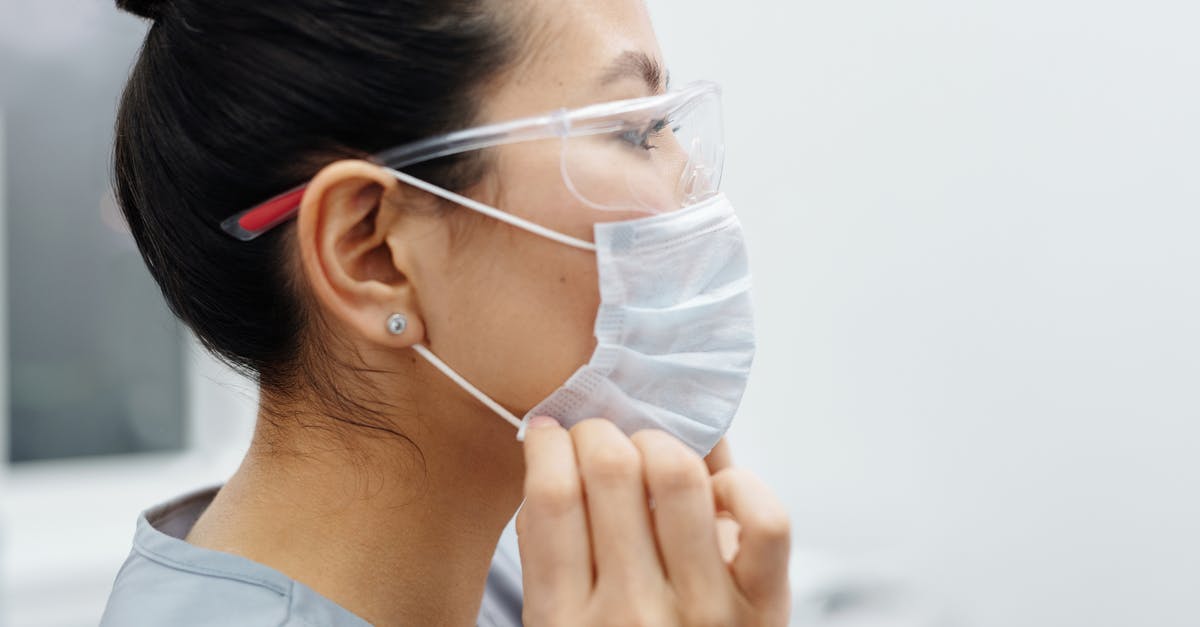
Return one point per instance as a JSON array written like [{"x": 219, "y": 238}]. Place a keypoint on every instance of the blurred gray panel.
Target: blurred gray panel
[{"x": 95, "y": 360}]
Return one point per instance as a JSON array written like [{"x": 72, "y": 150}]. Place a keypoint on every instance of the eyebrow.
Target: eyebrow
[{"x": 638, "y": 64}]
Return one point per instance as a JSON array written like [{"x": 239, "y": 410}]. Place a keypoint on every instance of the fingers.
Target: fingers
[
  {"x": 720, "y": 458},
  {"x": 685, "y": 524},
  {"x": 552, "y": 528},
  {"x": 760, "y": 566},
  {"x": 622, "y": 539},
  {"x": 728, "y": 531},
  {"x": 587, "y": 532}
]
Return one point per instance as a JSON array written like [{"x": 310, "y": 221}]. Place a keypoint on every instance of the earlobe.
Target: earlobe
[
  {"x": 397, "y": 323},
  {"x": 348, "y": 258},
  {"x": 405, "y": 332}
]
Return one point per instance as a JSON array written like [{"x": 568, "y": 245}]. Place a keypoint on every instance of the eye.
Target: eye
[{"x": 644, "y": 137}]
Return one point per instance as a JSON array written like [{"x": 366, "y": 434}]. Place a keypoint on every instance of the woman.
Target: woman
[{"x": 366, "y": 207}]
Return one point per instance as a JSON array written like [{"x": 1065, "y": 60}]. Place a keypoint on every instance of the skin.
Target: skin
[{"x": 402, "y": 532}]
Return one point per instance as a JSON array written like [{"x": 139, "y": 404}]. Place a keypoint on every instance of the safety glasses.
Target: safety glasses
[{"x": 650, "y": 155}]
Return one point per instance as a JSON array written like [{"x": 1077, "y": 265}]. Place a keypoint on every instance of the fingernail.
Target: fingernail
[{"x": 542, "y": 421}]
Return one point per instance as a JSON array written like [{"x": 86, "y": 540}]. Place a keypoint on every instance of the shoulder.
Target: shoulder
[
  {"x": 149, "y": 591},
  {"x": 167, "y": 581}
]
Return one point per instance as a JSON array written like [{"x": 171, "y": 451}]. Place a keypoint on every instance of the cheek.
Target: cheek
[
  {"x": 528, "y": 182},
  {"x": 520, "y": 314},
  {"x": 551, "y": 318},
  {"x": 520, "y": 311}
]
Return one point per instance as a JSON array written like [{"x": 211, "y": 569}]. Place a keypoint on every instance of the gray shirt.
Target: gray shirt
[{"x": 166, "y": 581}]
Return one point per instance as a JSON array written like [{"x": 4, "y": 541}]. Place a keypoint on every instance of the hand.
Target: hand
[{"x": 594, "y": 552}]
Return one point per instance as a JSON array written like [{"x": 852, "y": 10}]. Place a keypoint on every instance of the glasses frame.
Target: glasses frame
[{"x": 596, "y": 119}]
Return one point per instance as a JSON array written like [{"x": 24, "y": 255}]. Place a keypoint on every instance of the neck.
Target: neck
[{"x": 396, "y": 529}]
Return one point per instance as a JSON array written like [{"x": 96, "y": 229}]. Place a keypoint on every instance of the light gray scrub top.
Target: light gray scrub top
[{"x": 168, "y": 582}]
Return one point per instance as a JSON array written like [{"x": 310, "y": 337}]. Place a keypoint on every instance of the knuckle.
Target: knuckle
[
  {"x": 605, "y": 454},
  {"x": 707, "y": 613},
  {"x": 733, "y": 480},
  {"x": 631, "y": 617},
  {"x": 768, "y": 519},
  {"x": 771, "y": 524},
  {"x": 613, "y": 464},
  {"x": 645, "y": 438},
  {"x": 593, "y": 427},
  {"x": 542, "y": 614},
  {"x": 670, "y": 466},
  {"x": 738, "y": 475},
  {"x": 709, "y": 621},
  {"x": 629, "y": 602},
  {"x": 676, "y": 472},
  {"x": 552, "y": 495}
]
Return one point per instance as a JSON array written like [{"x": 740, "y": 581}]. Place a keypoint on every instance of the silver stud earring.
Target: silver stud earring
[{"x": 397, "y": 323}]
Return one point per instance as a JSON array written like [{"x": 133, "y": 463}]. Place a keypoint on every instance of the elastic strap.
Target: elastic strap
[
  {"x": 492, "y": 212},
  {"x": 466, "y": 385}
]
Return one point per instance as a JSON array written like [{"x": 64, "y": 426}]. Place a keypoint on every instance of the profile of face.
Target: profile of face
[{"x": 511, "y": 311}]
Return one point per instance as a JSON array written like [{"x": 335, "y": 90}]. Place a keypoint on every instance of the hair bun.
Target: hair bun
[{"x": 149, "y": 9}]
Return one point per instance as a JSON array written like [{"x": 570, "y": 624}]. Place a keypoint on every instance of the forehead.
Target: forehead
[{"x": 576, "y": 52}]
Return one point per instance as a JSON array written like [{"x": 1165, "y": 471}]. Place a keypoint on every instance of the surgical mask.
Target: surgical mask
[{"x": 674, "y": 330}]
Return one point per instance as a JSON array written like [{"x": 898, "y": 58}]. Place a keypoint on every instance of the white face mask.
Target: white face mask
[{"x": 675, "y": 328}]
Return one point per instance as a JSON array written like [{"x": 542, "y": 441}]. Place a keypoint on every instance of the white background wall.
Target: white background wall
[{"x": 974, "y": 228}]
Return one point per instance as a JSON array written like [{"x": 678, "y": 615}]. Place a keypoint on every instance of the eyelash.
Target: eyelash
[{"x": 641, "y": 138}]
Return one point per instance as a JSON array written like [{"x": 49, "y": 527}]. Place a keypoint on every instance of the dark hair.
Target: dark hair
[
  {"x": 231, "y": 102},
  {"x": 142, "y": 8}
]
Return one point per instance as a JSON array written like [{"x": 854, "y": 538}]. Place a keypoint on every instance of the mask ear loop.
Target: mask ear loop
[
  {"x": 492, "y": 212},
  {"x": 466, "y": 385},
  {"x": 520, "y": 223}
]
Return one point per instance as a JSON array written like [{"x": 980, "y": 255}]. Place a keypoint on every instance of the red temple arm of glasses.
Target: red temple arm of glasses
[{"x": 271, "y": 212}]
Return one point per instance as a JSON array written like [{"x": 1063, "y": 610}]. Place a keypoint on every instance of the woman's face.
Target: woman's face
[{"x": 510, "y": 310}]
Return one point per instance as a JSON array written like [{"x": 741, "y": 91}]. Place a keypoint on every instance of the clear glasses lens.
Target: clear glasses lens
[{"x": 654, "y": 161}]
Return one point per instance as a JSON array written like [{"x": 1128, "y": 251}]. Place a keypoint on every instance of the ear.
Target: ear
[{"x": 353, "y": 269}]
